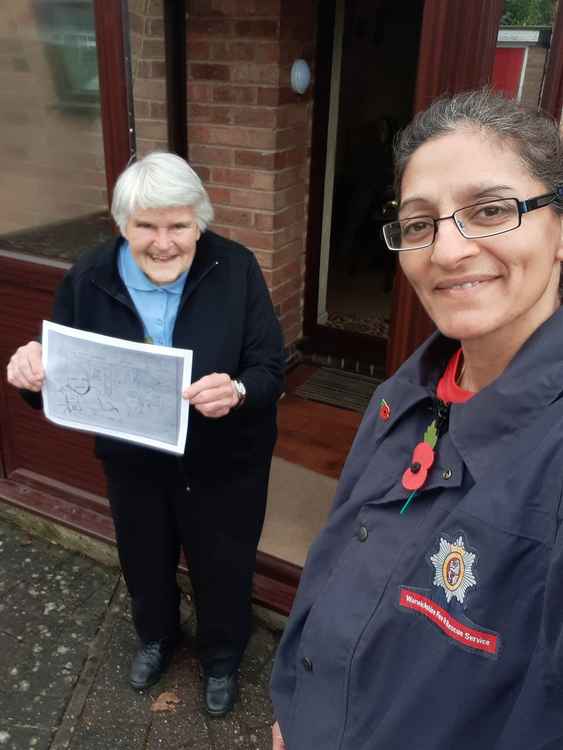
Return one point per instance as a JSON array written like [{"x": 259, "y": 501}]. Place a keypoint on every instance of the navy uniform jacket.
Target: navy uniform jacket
[{"x": 442, "y": 627}]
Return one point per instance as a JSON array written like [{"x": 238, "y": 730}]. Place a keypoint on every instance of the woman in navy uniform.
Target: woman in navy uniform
[
  {"x": 169, "y": 280},
  {"x": 430, "y": 610}
]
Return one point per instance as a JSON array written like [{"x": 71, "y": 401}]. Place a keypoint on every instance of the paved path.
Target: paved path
[{"x": 66, "y": 640}]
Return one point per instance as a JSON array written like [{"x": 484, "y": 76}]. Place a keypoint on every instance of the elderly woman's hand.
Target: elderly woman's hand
[
  {"x": 277, "y": 739},
  {"x": 213, "y": 395},
  {"x": 25, "y": 368}
]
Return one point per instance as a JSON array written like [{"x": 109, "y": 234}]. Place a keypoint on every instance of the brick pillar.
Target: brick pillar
[{"x": 249, "y": 133}]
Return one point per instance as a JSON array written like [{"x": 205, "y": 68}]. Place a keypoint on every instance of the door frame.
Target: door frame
[
  {"x": 3, "y": 440},
  {"x": 552, "y": 93},
  {"x": 116, "y": 95}
]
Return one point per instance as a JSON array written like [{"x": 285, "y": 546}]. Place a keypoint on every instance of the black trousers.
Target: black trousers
[{"x": 217, "y": 521}]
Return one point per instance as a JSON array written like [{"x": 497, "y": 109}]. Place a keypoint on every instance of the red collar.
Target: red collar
[{"x": 448, "y": 390}]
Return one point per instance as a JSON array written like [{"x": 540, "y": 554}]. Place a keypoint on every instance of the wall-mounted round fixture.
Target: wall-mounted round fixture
[{"x": 300, "y": 76}]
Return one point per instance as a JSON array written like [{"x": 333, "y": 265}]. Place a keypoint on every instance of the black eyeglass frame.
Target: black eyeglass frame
[{"x": 524, "y": 207}]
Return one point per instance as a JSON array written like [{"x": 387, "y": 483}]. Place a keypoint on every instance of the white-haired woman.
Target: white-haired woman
[
  {"x": 430, "y": 611},
  {"x": 170, "y": 281}
]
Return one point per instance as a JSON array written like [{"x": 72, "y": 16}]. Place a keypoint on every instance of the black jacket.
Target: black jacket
[{"x": 225, "y": 316}]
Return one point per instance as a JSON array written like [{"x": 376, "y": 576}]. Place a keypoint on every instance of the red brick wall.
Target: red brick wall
[{"x": 249, "y": 133}]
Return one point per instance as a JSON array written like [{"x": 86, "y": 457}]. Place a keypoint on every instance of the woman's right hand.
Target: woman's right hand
[
  {"x": 25, "y": 368},
  {"x": 277, "y": 739}
]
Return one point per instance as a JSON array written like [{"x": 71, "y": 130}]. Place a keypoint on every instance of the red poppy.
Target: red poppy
[
  {"x": 384, "y": 410},
  {"x": 422, "y": 459}
]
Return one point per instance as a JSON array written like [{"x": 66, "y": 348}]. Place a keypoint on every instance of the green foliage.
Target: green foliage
[{"x": 528, "y": 12}]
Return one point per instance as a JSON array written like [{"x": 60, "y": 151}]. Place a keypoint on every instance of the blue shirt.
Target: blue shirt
[{"x": 156, "y": 305}]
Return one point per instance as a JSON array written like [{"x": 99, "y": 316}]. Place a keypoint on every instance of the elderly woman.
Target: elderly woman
[
  {"x": 430, "y": 612},
  {"x": 169, "y": 281}
]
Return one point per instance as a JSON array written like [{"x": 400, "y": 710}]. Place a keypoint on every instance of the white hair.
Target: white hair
[{"x": 160, "y": 180}]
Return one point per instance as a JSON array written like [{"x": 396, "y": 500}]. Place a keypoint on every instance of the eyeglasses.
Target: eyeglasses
[{"x": 478, "y": 220}]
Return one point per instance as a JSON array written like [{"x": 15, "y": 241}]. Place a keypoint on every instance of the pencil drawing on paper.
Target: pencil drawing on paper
[{"x": 110, "y": 387}]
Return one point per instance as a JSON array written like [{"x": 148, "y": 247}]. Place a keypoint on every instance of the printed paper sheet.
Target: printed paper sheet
[{"x": 115, "y": 387}]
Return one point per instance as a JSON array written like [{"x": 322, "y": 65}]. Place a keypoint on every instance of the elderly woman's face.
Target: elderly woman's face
[
  {"x": 163, "y": 241},
  {"x": 505, "y": 284}
]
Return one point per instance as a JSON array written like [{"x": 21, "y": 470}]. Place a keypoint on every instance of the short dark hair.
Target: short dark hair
[{"x": 533, "y": 134}]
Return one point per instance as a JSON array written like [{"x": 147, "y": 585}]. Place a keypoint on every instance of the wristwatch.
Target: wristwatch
[{"x": 240, "y": 391}]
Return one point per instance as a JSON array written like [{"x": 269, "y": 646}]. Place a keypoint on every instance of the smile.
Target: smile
[
  {"x": 162, "y": 259},
  {"x": 466, "y": 285},
  {"x": 456, "y": 285}
]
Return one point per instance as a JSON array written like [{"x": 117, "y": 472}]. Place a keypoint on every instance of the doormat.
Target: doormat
[
  {"x": 348, "y": 390},
  {"x": 371, "y": 325}
]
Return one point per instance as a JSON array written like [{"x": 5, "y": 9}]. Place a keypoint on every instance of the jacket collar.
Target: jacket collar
[{"x": 484, "y": 428}]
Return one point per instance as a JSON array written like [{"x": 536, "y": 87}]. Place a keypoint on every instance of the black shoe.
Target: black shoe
[
  {"x": 220, "y": 694},
  {"x": 150, "y": 662}
]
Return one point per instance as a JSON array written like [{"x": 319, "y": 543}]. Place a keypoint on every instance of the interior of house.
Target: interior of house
[{"x": 377, "y": 80}]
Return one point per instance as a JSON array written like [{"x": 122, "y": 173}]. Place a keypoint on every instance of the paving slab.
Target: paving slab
[{"x": 66, "y": 642}]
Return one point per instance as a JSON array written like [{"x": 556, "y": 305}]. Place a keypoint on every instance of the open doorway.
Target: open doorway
[{"x": 373, "y": 73}]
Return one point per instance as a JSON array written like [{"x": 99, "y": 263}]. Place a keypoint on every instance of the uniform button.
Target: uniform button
[
  {"x": 307, "y": 664},
  {"x": 362, "y": 533},
  {"x": 447, "y": 474}
]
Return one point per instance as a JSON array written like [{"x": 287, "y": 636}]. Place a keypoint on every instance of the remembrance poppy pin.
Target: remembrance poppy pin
[
  {"x": 423, "y": 455},
  {"x": 384, "y": 410},
  {"x": 422, "y": 459}
]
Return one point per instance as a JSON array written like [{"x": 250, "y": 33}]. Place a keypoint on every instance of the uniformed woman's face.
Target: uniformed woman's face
[{"x": 488, "y": 288}]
